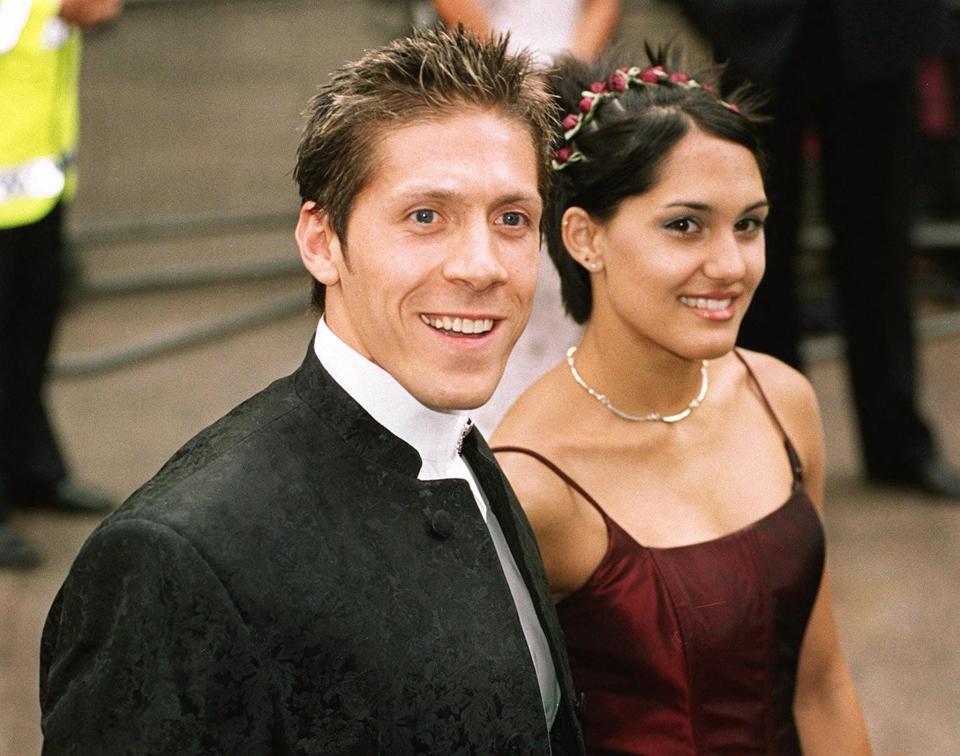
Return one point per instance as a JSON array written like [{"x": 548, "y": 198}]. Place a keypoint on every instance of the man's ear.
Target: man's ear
[
  {"x": 320, "y": 247},
  {"x": 581, "y": 237}
]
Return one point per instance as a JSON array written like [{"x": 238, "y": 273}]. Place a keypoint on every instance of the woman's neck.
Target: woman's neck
[{"x": 638, "y": 378}]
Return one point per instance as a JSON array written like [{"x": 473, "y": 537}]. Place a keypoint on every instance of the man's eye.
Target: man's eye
[
  {"x": 513, "y": 219},
  {"x": 425, "y": 216}
]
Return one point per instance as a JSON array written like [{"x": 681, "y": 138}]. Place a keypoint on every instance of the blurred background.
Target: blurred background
[{"x": 187, "y": 296}]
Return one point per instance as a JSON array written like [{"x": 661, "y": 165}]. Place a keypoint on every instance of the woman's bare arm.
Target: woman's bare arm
[
  {"x": 826, "y": 707},
  {"x": 466, "y": 12},
  {"x": 595, "y": 30}
]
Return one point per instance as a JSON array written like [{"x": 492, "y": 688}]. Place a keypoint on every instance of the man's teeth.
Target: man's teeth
[
  {"x": 459, "y": 325},
  {"x": 707, "y": 304}
]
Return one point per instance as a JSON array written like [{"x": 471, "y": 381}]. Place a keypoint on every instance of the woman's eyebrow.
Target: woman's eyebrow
[{"x": 704, "y": 207}]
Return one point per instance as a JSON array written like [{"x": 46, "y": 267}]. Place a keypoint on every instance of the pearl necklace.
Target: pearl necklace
[{"x": 654, "y": 417}]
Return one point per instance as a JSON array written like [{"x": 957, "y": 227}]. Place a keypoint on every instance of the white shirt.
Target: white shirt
[{"x": 437, "y": 438}]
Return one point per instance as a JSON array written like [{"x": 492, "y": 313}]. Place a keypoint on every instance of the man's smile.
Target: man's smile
[{"x": 457, "y": 324}]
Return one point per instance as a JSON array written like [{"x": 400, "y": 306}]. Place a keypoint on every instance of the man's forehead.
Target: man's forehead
[
  {"x": 453, "y": 155},
  {"x": 435, "y": 120}
]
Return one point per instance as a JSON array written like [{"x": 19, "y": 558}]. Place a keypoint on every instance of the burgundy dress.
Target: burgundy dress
[{"x": 693, "y": 649}]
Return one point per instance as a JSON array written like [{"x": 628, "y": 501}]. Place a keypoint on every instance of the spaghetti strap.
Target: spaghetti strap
[
  {"x": 792, "y": 455},
  {"x": 556, "y": 470}
]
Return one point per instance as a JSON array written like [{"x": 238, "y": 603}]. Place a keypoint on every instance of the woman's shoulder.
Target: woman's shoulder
[
  {"x": 788, "y": 390},
  {"x": 571, "y": 534},
  {"x": 537, "y": 423},
  {"x": 794, "y": 403}
]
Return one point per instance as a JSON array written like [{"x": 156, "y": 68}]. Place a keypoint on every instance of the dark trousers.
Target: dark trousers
[
  {"x": 31, "y": 265},
  {"x": 869, "y": 140}
]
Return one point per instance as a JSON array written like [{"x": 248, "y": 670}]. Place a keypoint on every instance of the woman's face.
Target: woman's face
[{"x": 681, "y": 262}]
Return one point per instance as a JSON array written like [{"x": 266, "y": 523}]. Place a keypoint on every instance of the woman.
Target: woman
[{"x": 674, "y": 482}]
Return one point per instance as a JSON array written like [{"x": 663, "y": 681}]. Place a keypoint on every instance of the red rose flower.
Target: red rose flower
[
  {"x": 679, "y": 77},
  {"x": 651, "y": 75},
  {"x": 709, "y": 88},
  {"x": 570, "y": 121},
  {"x": 732, "y": 106},
  {"x": 598, "y": 87},
  {"x": 585, "y": 104},
  {"x": 563, "y": 154},
  {"x": 617, "y": 83}
]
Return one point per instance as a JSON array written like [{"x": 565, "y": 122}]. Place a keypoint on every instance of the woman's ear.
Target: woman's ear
[
  {"x": 320, "y": 247},
  {"x": 579, "y": 232}
]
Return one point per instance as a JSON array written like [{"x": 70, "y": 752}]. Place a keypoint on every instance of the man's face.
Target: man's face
[{"x": 436, "y": 279}]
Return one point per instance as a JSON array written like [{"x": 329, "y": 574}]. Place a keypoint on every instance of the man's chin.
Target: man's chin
[
  {"x": 456, "y": 403},
  {"x": 453, "y": 398}
]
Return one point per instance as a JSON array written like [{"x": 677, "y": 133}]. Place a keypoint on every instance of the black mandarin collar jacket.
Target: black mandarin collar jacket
[{"x": 286, "y": 584}]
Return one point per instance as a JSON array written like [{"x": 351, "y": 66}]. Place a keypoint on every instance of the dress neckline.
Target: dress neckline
[
  {"x": 797, "y": 494},
  {"x": 798, "y": 497}
]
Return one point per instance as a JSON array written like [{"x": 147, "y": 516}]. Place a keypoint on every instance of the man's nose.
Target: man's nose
[{"x": 473, "y": 258}]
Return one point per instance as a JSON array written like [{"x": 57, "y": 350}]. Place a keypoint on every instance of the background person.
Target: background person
[
  {"x": 674, "y": 483},
  {"x": 549, "y": 28},
  {"x": 338, "y": 565},
  {"x": 39, "y": 68}
]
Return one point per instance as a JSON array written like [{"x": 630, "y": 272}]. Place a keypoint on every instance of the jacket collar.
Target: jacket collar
[
  {"x": 435, "y": 434},
  {"x": 351, "y": 422}
]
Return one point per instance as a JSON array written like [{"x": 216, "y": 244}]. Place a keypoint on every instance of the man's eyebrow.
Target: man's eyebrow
[
  {"x": 429, "y": 192},
  {"x": 434, "y": 193},
  {"x": 509, "y": 199}
]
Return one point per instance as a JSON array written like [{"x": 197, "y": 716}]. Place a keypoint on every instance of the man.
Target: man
[
  {"x": 338, "y": 565},
  {"x": 39, "y": 61}
]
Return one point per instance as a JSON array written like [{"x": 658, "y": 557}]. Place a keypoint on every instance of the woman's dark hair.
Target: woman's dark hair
[{"x": 626, "y": 141}]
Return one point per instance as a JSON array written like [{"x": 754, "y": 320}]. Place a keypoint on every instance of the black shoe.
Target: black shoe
[
  {"x": 931, "y": 477},
  {"x": 15, "y": 552},
  {"x": 65, "y": 496}
]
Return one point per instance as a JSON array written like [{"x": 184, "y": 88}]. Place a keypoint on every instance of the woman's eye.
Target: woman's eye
[
  {"x": 683, "y": 225},
  {"x": 513, "y": 219},
  {"x": 749, "y": 224},
  {"x": 424, "y": 216}
]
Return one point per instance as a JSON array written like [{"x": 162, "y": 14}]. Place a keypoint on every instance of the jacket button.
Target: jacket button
[{"x": 441, "y": 524}]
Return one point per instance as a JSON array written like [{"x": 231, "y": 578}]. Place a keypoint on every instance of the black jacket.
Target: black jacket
[{"x": 286, "y": 584}]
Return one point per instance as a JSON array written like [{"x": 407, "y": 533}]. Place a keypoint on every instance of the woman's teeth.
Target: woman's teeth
[
  {"x": 701, "y": 303},
  {"x": 459, "y": 325}
]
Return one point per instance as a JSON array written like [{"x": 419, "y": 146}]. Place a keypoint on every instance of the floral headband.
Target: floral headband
[{"x": 618, "y": 83}]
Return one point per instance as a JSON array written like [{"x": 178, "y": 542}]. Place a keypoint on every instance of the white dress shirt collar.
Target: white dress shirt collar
[{"x": 435, "y": 434}]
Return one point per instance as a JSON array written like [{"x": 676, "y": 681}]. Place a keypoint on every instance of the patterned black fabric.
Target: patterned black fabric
[{"x": 286, "y": 584}]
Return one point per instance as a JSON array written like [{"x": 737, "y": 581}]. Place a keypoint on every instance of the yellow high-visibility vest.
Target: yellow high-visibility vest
[{"x": 39, "y": 67}]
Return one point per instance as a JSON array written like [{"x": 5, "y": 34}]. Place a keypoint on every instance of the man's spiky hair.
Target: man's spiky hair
[{"x": 433, "y": 73}]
